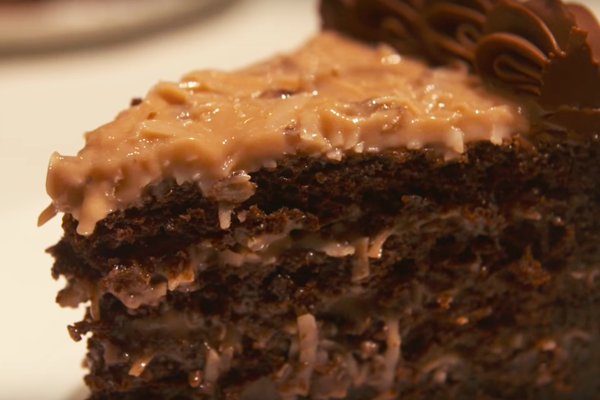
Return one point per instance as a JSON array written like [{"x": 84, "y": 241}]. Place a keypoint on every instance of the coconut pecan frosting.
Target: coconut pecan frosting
[{"x": 544, "y": 51}]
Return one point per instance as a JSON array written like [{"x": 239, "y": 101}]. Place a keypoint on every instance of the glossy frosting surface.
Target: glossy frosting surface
[
  {"x": 546, "y": 52},
  {"x": 330, "y": 97}
]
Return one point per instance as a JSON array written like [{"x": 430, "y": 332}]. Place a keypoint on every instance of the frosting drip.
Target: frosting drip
[{"x": 330, "y": 97}]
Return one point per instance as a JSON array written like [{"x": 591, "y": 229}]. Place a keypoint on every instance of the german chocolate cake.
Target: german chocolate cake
[{"x": 405, "y": 208}]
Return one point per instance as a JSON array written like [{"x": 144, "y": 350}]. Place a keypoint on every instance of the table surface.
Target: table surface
[{"x": 47, "y": 100}]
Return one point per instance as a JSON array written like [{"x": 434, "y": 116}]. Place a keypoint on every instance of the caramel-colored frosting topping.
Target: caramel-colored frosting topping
[
  {"x": 330, "y": 97},
  {"x": 547, "y": 52}
]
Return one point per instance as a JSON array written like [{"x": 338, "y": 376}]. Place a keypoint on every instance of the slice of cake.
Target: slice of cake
[{"x": 347, "y": 222}]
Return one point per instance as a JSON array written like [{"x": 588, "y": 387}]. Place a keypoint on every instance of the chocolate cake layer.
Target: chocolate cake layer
[{"x": 485, "y": 287}]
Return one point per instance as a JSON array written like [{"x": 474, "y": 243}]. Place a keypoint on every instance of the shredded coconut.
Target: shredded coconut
[
  {"x": 360, "y": 269},
  {"x": 140, "y": 364},
  {"x": 308, "y": 337}
]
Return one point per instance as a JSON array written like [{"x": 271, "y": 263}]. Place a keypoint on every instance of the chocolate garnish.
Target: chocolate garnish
[
  {"x": 545, "y": 51},
  {"x": 456, "y": 28},
  {"x": 397, "y": 23},
  {"x": 515, "y": 48},
  {"x": 587, "y": 22}
]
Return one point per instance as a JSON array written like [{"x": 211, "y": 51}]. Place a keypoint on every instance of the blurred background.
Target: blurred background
[{"x": 66, "y": 67}]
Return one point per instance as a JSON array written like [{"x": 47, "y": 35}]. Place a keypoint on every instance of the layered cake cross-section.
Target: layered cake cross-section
[{"x": 406, "y": 207}]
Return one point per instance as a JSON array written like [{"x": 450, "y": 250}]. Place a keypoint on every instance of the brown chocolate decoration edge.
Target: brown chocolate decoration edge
[{"x": 546, "y": 52}]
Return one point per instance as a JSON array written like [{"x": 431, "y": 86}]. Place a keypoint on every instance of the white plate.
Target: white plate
[{"x": 59, "y": 23}]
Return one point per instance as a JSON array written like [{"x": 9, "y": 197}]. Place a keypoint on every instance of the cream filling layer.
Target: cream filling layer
[
  {"x": 135, "y": 288},
  {"x": 316, "y": 365}
]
